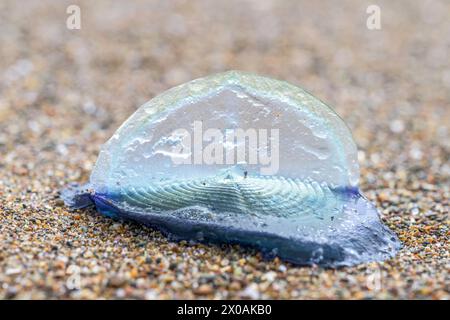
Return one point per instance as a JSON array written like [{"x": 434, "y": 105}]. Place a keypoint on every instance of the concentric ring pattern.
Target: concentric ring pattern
[{"x": 259, "y": 195}]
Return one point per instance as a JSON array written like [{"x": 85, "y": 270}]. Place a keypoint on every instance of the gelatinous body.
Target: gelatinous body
[{"x": 239, "y": 158}]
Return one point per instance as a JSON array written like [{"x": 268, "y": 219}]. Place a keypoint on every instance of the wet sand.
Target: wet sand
[{"x": 64, "y": 92}]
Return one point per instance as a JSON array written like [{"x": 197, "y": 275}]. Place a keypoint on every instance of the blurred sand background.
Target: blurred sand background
[{"x": 64, "y": 92}]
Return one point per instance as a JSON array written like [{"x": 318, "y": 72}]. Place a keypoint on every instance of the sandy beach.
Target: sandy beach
[{"x": 64, "y": 92}]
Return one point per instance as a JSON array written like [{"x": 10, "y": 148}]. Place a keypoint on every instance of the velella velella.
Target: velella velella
[{"x": 243, "y": 159}]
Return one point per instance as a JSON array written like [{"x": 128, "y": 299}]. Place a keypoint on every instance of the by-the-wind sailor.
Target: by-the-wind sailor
[{"x": 239, "y": 158}]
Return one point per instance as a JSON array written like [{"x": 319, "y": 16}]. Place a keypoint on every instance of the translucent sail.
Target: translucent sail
[
  {"x": 240, "y": 158},
  {"x": 314, "y": 141}
]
